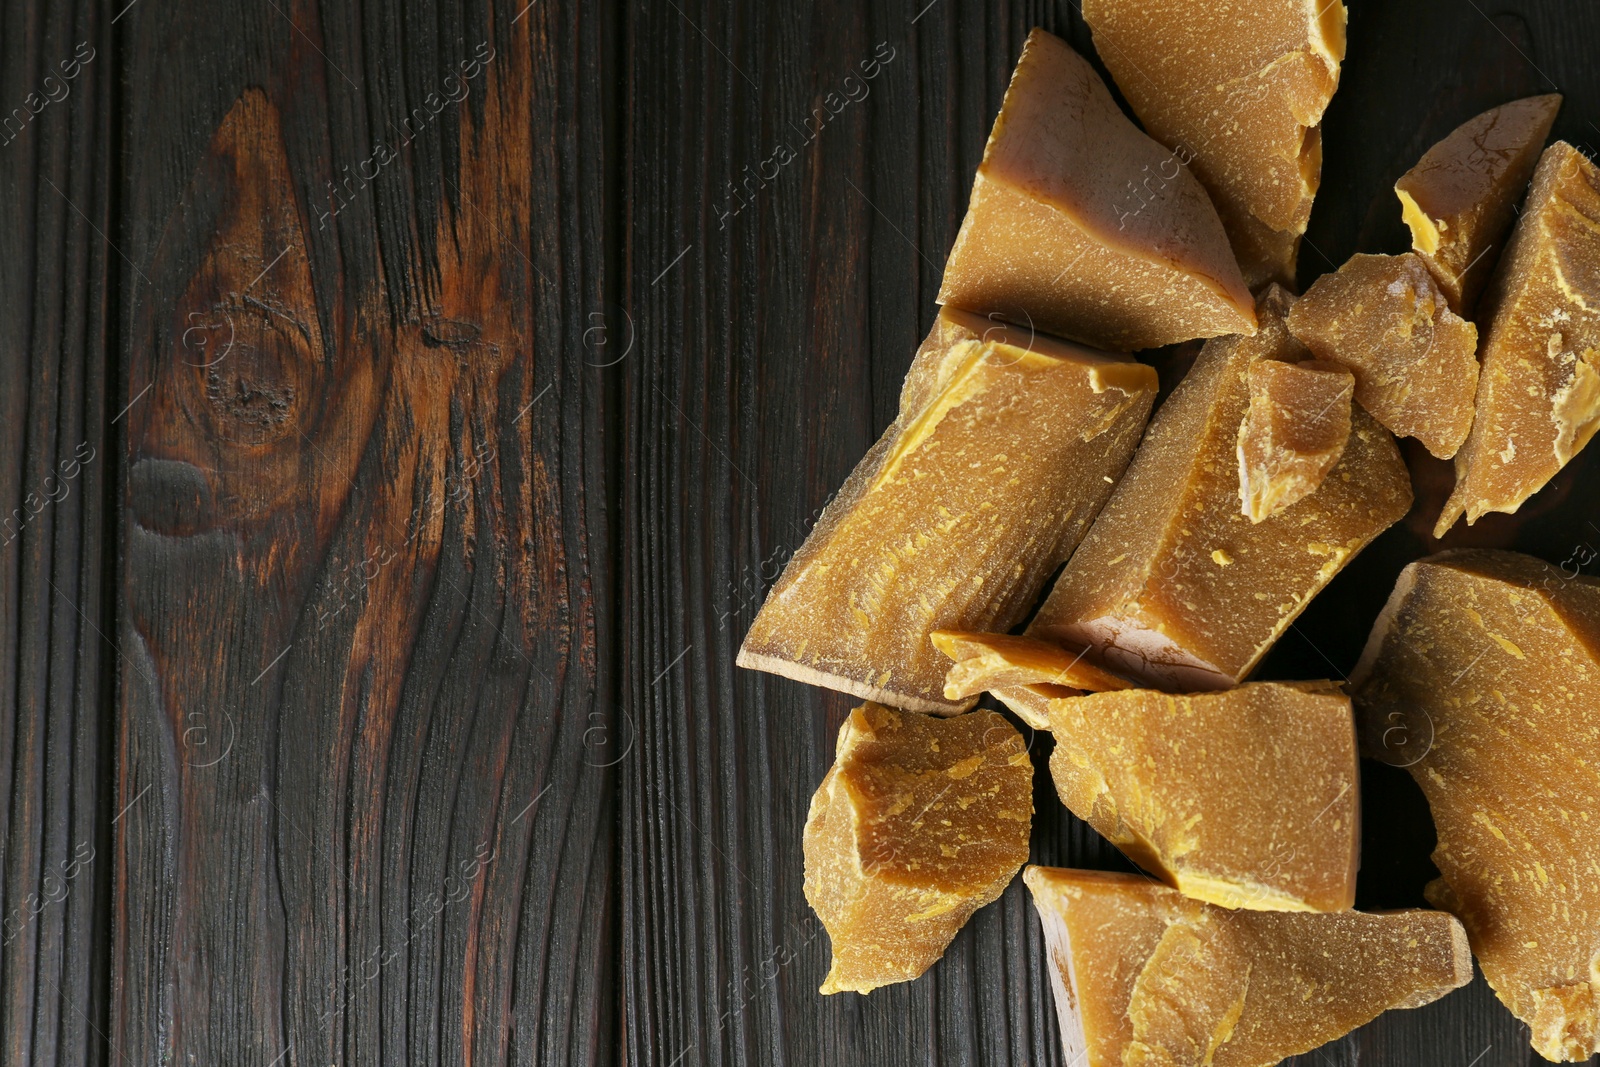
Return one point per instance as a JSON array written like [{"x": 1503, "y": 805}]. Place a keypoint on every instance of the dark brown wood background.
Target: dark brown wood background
[{"x": 404, "y": 408}]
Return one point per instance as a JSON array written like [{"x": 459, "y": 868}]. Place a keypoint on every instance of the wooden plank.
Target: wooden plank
[
  {"x": 368, "y": 588},
  {"x": 780, "y": 276},
  {"x": 56, "y": 539}
]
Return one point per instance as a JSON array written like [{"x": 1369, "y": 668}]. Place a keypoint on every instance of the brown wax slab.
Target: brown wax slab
[
  {"x": 1485, "y": 668},
  {"x": 1538, "y": 400},
  {"x": 1007, "y": 444},
  {"x": 1460, "y": 198},
  {"x": 1176, "y": 588},
  {"x": 1144, "y": 976},
  {"x": 1237, "y": 89},
  {"x": 1414, "y": 360},
  {"x": 1081, "y": 225},
  {"x": 1293, "y": 433},
  {"x": 1246, "y": 798},
  {"x": 920, "y": 822}
]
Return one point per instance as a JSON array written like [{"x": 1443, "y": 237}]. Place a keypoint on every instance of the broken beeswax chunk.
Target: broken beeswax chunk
[
  {"x": 1144, "y": 977},
  {"x": 920, "y": 822},
  {"x": 1538, "y": 397},
  {"x": 1003, "y": 453},
  {"x": 1460, "y": 198},
  {"x": 1490, "y": 661},
  {"x": 1237, "y": 89},
  {"x": 1175, "y": 587},
  {"x": 1031, "y": 702},
  {"x": 1414, "y": 360},
  {"x": 1293, "y": 433},
  {"x": 1247, "y": 798},
  {"x": 1025, "y": 673},
  {"x": 1056, "y": 236},
  {"x": 990, "y": 661}
]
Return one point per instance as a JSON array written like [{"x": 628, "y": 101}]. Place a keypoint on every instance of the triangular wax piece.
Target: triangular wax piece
[
  {"x": 1081, "y": 225},
  {"x": 1237, "y": 91},
  {"x": 1460, "y": 198}
]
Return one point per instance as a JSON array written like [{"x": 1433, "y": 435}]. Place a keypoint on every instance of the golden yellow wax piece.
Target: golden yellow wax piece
[
  {"x": 920, "y": 822},
  {"x": 1247, "y": 798},
  {"x": 1293, "y": 433},
  {"x": 1004, "y": 452},
  {"x": 991, "y": 661},
  {"x": 1145, "y": 977},
  {"x": 1174, "y": 586},
  {"x": 1237, "y": 89},
  {"x": 1415, "y": 361},
  {"x": 1058, "y": 237},
  {"x": 1025, "y": 673},
  {"x": 1460, "y": 198},
  {"x": 1486, "y": 666},
  {"x": 1539, "y": 389},
  {"x": 1031, "y": 701}
]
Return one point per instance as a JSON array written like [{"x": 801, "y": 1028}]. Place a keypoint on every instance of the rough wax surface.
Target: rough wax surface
[
  {"x": 1006, "y": 446},
  {"x": 1175, "y": 587},
  {"x": 1145, "y": 977},
  {"x": 1415, "y": 361},
  {"x": 1237, "y": 88},
  {"x": 920, "y": 822},
  {"x": 1490, "y": 661},
  {"x": 1539, "y": 387},
  {"x": 1081, "y": 225},
  {"x": 1247, "y": 798},
  {"x": 1461, "y": 197},
  {"x": 1293, "y": 433}
]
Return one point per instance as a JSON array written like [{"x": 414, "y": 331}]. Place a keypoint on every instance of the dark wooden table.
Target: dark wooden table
[{"x": 404, "y": 408}]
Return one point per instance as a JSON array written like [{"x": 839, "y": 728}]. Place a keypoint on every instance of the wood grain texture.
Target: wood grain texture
[
  {"x": 57, "y": 531},
  {"x": 781, "y": 275},
  {"x": 367, "y": 608}
]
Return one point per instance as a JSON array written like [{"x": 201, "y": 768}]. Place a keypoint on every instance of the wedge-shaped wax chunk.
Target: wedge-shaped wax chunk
[
  {"x": 1031, "y": 701},
  {"x": 1175, "y": 587},
  {"x": 920, "y": 822},
  {"x": 1144, "y": 977},
  {"x": 1055, "y": 235},
  {"x": 1490, "y": 661},
  {"x": 1024, "y": 672},
  {"x": 1293, "y": 433},
  {"x": 1460, "y": 198},
  {"x": 1248, "y": 798},
  {"x": 1539, "y": 390},
  {"x": 1414, "y": 360},
  {"x": 990, "y": 661},
  {"x": 1003, "y": 453},
  {"x": 1237, "y": 89}
]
